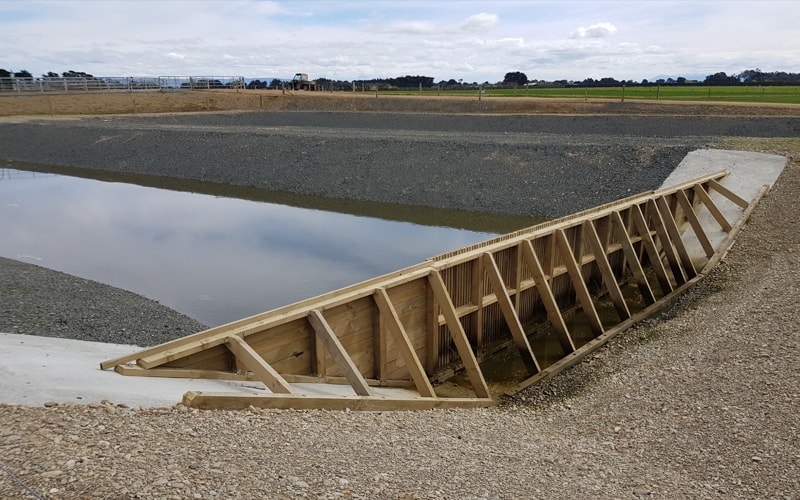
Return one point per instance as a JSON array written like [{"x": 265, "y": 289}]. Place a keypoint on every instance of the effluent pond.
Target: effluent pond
[{"x": 218, "y": 253}]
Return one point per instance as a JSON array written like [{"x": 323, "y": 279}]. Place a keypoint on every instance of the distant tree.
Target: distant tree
[
  {"x": 76, "y": 74},
  {"x": 50, "y": 74},
  {"x": 409, "y": 81},
  {"x": 515, "y": 78},
  {"x": 608, "y": 82},
  {"x": 23, "y": 74},
  {"x": 275, "y": 83},
  {"x": 721, "y": 79},
  {"x": 4, "y": 73},
  {"x": 681, "y": 80}
]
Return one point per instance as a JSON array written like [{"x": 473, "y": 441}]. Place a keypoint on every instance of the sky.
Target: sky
[{"x": 473, "y": 41}]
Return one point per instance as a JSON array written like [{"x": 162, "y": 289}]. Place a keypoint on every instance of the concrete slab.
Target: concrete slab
[
  {"x": 35, "y": 370},
  {"x": 749, "y": 172}
]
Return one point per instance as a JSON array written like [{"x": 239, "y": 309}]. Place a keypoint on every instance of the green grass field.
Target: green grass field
[{"x": 785, "y": 95}]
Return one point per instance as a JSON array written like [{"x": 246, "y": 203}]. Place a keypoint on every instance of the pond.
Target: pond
[{"x": 219, "y": 257}]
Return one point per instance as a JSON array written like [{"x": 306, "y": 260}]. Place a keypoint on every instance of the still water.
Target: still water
[{"x": 214, "y": 258}]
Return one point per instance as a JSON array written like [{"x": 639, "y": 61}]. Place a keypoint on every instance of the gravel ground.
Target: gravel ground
[
  {"x": 38, "y": 301},
  {"x": 698, "y": 402},
  {"x": 542, "y": 165}
]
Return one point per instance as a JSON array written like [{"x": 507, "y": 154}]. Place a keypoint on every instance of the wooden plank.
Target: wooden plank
[
  {"x": 727, "y": 193},
  {"x": 478, "y": 293},
  {"x": 511, "y": 239},
  {"x": 239, "y": 401},
  {"x": 554, "y": 315},
  {"x": 590, "y": 234},
  {"x": 510, "y": 314},
  {"x": 169, "y": 351},
  {"x": 432, "y": 332},
  {"x": 392, "y": 321},
  {"x": 318, "y": 359},
  {"x": 675, "y": 235},
  {"x": 458, "y": 335},
  {"x": 694, "y": 222},
  {"x": 256, "y": 364},
  {"x": 712, "y": 207},
  {"x": 582, "y": 293},
  {"x": 137, "y": 371},
  {"x": 632, "y": 260},
  {"x": 650, "y": 247},
  {"x": 666, "y": 243},
  {"x": 340, "y": 356}
]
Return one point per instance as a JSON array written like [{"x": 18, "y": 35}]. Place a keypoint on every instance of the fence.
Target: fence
[{"x": 118, "y": 84}]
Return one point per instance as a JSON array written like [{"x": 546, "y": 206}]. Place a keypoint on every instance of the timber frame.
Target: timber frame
[{"x": 390, "y": 341}]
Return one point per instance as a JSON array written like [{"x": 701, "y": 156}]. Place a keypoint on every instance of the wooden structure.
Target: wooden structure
[{"x": 548, "y": 294}]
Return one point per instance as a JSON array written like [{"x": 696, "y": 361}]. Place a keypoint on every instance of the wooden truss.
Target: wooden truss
[{"x": 389, "y": 342}]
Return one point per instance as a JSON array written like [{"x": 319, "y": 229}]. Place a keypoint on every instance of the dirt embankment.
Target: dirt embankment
[{"x": 252, "y": 100}]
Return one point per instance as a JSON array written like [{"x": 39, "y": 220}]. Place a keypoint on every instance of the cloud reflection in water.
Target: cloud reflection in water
[{"x": 215, "y": 259}]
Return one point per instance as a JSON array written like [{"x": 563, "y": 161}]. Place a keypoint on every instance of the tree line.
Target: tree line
[{"x": 511, "y": 79}]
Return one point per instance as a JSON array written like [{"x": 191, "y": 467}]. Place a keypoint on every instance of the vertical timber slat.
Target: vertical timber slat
[
  {"x": 632, "y": 261},
  {"x": 574, "y": 271},
  {"x": 601, "y": 258},
  {"x": 458, "y": 335},
  {"x": 510, "y": 314},
  {"x": 554, "y": 315}
]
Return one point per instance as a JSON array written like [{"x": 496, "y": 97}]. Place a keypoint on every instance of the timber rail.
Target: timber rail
[{"x": 544, "y": 297}]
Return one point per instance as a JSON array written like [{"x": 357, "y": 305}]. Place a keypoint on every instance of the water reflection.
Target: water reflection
[{"x": 214, "y": 258}]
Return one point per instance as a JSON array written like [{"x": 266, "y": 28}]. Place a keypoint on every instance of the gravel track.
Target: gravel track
[{"x": 699, "y": 402}]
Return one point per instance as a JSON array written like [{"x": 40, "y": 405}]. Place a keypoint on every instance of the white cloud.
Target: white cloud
[
  {"x": 599, "y": 30},
  {"x": 408, "y": 27},
  {"x": 354, "y": 40},
  {"x": 480, "y": 22}
]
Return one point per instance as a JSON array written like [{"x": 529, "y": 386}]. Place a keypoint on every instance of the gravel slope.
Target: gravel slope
[
  {"x": 699, "y": 402},
  {"x": 542, "y": 165}
]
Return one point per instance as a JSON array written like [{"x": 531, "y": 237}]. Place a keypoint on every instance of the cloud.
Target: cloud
[
  {"x": 599, "y": 30},
  {"x": 408, "y": 27},
  {"x": 480, "y": 22}
]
